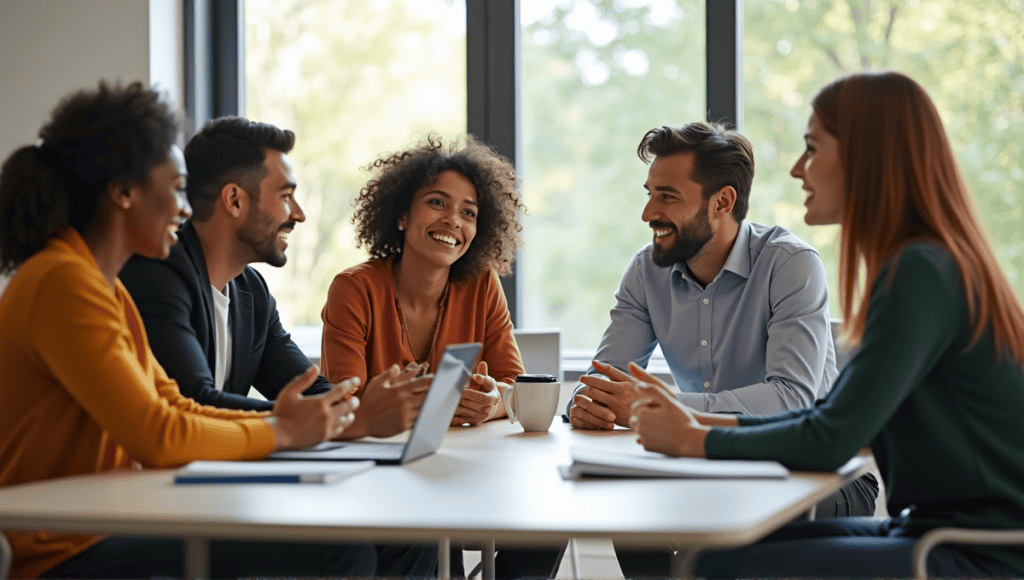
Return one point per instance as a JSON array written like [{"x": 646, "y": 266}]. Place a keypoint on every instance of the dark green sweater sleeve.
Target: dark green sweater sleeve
[{"x": 914, "y": 316}]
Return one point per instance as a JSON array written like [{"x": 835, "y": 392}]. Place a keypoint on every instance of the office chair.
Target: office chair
[{"x": 959, "y": 536}]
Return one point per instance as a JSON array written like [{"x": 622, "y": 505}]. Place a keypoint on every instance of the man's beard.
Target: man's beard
[
  {"x": 689, "y": 241},
  {"x": 261, "y": 239}
]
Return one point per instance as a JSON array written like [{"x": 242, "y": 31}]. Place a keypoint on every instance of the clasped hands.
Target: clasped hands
[
  {"x": 643, "y": 402},
  {"x": 481, "y": 399}
]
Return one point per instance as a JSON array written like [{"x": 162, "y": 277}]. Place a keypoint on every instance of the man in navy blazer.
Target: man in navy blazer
[
  {"x": 176, "y": 300},
  {"x": 210, "y": 318}
]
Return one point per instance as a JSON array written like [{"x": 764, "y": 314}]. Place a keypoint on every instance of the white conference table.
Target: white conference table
[{"x": 490, "y": 484}]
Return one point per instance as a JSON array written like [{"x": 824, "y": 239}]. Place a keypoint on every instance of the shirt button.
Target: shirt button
[
  {"x": 706, "y": 301},
  {"x": 703, "y": 343},
  {"x": 706, "y": 384}
]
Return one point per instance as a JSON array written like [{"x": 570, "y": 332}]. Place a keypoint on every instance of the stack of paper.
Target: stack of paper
[
  {"x": 268, "y": 471},
  {"x": 609, "y": 463}
]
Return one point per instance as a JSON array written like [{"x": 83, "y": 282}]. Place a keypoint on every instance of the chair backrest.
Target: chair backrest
[{"x": 541, "y": 349}]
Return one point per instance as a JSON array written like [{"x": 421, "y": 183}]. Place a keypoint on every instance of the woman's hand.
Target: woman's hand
[
  {"x": 300, "y": 421},
  {"x": 391, "y": 403},
  {"x": 665, "y": 425},
  {"x": 709, "y": 419},
  {"x": 481, "y": 400}
]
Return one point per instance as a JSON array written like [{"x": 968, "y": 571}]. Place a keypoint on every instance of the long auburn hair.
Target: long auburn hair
[{"x": 902, "y": 184}]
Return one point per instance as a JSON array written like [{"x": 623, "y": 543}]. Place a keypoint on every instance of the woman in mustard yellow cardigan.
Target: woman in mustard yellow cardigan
[{"x": 81, "y": 390}]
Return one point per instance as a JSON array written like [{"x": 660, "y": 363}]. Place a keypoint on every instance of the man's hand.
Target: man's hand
[
  {"x": 390, "y": 404},
  {"x": 665, "y": 425},
  {"x": 481, "y": 400},
  {"x": 604, "y": 402},
  {"x": 299, "y": 421}
]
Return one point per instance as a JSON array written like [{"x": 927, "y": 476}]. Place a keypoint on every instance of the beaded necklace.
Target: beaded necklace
[{"x": 437, "y": 327}]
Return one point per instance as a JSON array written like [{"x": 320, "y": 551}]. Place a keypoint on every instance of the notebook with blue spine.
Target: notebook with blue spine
[{"x": 268, "y": 471}]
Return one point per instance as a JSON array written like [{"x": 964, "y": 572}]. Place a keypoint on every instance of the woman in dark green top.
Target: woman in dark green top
[{"x": 936, "y": 387}]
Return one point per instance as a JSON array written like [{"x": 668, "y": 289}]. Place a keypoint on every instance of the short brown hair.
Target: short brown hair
[
  {"x": 721, "y": 157},
  {"x": 229, "y": 150},
  {"x": 396, "y": 178}
]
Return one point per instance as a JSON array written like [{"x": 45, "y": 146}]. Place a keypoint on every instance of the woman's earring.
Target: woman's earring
[{"x": 401, "y": 228}]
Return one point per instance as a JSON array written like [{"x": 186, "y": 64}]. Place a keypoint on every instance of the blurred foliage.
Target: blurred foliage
[
  {"x": 597, "y": 75},
  {"x": 969, "y": 56},
  {"x": 583, "y": 179},
  {"x": 354, "y": 79}
]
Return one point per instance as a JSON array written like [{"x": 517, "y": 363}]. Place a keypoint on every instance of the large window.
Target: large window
[
  {"x": 353, "y": 79},
  {"x": 356, "y": 78},
  {"x": 597, "y": 75},
  {"x": 968, "y": 55}
]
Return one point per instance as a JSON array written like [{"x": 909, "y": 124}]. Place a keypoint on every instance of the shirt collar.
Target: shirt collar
[{"x": 738, "y": 261}]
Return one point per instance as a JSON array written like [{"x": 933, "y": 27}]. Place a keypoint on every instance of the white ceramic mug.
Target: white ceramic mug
[{"x": 535, "y": 402}]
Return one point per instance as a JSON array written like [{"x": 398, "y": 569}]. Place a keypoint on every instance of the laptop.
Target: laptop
[{"x": 450, "y": 378}]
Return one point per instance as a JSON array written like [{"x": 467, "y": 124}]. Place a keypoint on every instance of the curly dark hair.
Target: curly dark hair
[
  {"x": 94, "y": 138},
  {"x": 396, "y": 178}
]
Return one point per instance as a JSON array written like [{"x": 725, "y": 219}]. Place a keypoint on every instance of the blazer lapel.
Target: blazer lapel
[{"x": 188, "y": 238}]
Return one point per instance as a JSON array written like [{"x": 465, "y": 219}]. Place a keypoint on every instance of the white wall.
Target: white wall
[{"x": 49, "y": 48}]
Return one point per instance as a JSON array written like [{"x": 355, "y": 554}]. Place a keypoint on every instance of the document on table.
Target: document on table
[
  {"x": 268, "y": 471},
  {"x": 610, "y": 463}
]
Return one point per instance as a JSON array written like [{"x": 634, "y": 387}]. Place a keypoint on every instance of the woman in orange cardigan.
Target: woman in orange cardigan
[
  {"x": 441, "y": 224},
  {"x": 81, "y": 391}
]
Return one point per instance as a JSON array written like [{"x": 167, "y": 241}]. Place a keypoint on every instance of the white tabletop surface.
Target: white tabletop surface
[{"x": 490, "y": 483}]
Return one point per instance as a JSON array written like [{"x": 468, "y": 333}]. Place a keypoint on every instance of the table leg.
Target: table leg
[
  {"x": 197, "y": 558},
  {"x": 487, "y": 558},
  {"x": 444, "y": 565},
  {"x": 574, "y": 559},
  {"x": 683, "y": 563}
]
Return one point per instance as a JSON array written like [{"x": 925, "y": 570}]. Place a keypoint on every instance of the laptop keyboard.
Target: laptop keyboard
[
  {"x": 381, "y": 449},
  {"x": 358, "y": 450}
]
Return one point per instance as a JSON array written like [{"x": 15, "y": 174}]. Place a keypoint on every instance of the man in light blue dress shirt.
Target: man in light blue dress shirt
[{"x": 740, "y": 310}]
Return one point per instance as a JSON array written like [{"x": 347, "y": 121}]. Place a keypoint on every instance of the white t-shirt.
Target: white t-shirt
[
  {"x": 222, "y": 335},
  {"x": 4, "y": 280}
]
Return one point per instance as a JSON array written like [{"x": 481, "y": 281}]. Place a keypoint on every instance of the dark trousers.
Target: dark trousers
[
  {"x": 847, "y": 547},
  {"x": 840, "y": 547},
  {"x": 510, "y": 562},
  {"x": 856, "y": 498},
  {"x": 132, "y": 557}
]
